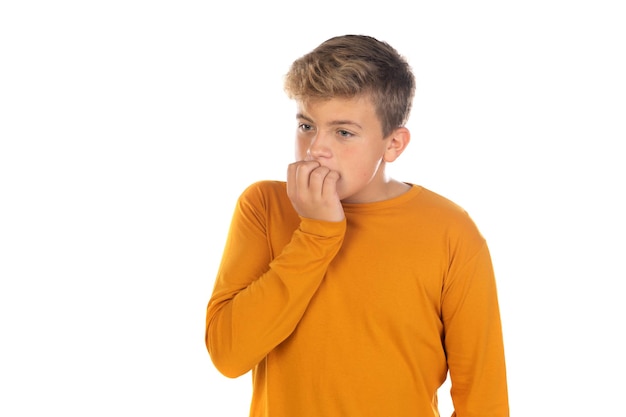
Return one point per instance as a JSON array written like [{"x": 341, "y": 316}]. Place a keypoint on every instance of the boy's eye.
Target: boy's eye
[
  {"x": 344, "y": 133},
  {"x": 305, "y": 127}
]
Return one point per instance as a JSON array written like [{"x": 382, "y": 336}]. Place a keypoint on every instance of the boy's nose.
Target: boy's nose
[{"x": 318, "y": 148}]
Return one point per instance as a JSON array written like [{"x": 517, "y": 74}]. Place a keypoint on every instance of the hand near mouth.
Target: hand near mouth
[{"x": 312, "y": 189}]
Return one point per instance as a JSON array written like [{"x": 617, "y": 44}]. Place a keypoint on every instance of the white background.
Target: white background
[{"x": 128, "y": 129}]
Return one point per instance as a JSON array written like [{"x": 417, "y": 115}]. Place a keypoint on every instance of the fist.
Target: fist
[{"x": 312, "y": 189}]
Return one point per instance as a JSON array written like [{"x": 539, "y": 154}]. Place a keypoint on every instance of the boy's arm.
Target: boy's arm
[
  {"x": 257, "y": 302},
  {"x": 473, "y": 339}
]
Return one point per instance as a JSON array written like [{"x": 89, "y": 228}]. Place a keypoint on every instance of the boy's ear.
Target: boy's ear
[{"x": 398, "y": 141}]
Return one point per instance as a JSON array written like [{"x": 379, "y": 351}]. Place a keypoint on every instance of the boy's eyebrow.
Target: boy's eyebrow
[
  {"x": 302, "y": 116},
  {"x": 332, "y": 123}
]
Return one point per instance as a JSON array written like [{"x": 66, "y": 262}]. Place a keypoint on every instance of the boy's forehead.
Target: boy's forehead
[{"x": 313, "y": 104}]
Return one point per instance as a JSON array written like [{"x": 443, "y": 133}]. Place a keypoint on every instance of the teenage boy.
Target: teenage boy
[{"x": 347, "y": 292}]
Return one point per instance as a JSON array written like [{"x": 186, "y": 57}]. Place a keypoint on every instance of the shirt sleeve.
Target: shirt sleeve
[
  {"x": 258, "y": 299},
  {"x": 473, "y": 337}
]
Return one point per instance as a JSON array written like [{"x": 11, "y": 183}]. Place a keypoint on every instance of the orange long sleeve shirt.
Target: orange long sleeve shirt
[{"x": 362, "y": 317}]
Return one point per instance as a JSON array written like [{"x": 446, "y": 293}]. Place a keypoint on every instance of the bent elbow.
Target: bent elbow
[
  {"x": 230, "y": 358},
  {"x": 230, "y": 370},
  {"x": 226, "y": 364},
  {"x": 225, "y": 360}
]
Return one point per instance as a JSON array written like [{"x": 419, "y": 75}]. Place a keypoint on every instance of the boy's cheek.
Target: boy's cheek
[{"x": 301, "y": 154}]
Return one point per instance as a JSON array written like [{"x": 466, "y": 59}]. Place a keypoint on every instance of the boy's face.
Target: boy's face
[{"x": 346, "y": 136}]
